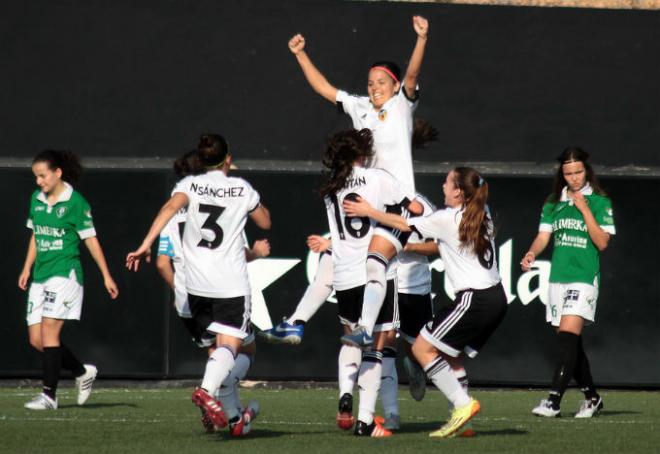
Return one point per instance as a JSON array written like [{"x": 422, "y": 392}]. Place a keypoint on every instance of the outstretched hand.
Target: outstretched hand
[
  {"x": 421, "y": 26},
  {"x": 318, "y": 243},
  {"x": 357, "y": 208},
  {"x": 133, "y": 258},
  {"x": 111, "y": 287},
  {"x": 296, "y": 44}
]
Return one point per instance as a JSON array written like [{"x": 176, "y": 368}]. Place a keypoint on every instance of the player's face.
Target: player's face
[
  {"x": 452, "y": 193},
  {"x": 575, "y": 175},
  {"x": 380, "y": 87},
  {"x": 46, "y": 178}
]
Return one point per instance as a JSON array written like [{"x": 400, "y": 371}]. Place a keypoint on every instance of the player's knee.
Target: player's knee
[
  {"x": 36, "y": 344},
  {"x": 376, "y": 267}
]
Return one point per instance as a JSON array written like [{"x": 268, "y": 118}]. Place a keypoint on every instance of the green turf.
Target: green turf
[{"x": 291, "y": 421}]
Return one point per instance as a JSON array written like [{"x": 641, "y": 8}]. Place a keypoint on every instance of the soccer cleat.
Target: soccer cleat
[
  {"x": 546, "y": 409},
  {"x": 84, "y": 383},
  {"x": 243, "y": 425},
  {"x": 416, "y": 378},
  {"x": 284, "y": 333},
  {"x": 358, "y": 338},
  {"x": 467, "y": 431},
  {"x": 41, "y": 402},
  {"x": 459, "y": 417},
  {"x": 210, "y": 408},
  {"x": 392, "y": 422},
  {"x": 345, "y": 419},
  {"x": 208, "y": 425},
  {"x": 590, "y": 408},
  {"x": 375, "y": 429}
]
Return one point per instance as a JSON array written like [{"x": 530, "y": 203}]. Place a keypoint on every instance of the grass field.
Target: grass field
[{"x": 119, "y": 420}]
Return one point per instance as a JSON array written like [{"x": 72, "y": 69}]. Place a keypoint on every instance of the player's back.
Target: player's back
[{"x": 213, "y": 246}]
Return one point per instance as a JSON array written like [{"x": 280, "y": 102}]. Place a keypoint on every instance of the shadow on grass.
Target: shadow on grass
[
  {"x": 256, "y": 434},
  {"x": 619, "y": 412},
  {"x": 488, "y": 433},
  {"x": 431, "y": 426},
  {"x": 98, "y": 405}
]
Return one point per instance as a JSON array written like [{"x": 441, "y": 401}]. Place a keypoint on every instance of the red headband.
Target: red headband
[{"x": 389, "y": 73}]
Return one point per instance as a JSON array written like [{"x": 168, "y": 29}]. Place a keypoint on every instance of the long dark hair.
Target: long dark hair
[
  {"x": 67, "y": 161},
  {"x": 476, "y": 229},
  {"x": 213, "y": 150},
  {"x": 344, "y": 148},
  {"x": 573, "y": 154},
  {"x": 188, "y": 164}
]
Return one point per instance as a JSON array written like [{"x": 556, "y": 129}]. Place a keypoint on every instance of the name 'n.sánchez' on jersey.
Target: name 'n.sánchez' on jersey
[
  {"x": 353, "y": 182},
  {"x": 235, "y": 191}
]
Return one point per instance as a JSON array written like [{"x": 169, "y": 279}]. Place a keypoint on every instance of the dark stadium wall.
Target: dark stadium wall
[
  {"x": 138, "y": 79},
  {"x": 139, "y": 335}
]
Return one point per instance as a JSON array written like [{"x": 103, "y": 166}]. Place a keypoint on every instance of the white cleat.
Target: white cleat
[
  {"x": 84, "y": 383},
  {"x": 545, "y": 409},
  {"x": 590, "y": 408},
  {"x": 41, "y": 402}
]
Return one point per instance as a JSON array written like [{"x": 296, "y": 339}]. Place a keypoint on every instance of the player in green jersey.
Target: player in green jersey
[
  {"x": 59, "y": 218},
  {"x": 578, "y": 216}
]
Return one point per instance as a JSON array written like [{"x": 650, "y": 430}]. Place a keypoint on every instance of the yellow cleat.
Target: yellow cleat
[{"x": 459, "y": 417}]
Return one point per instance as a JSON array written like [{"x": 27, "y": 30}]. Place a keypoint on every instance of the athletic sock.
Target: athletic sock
[
  {"x": 461, "y": 376},
  {"x": 218, "y": 367},
  {"x": 444, "y": 379},
  {"x": 70, "y": 362},
  {"x": 349, "y": 361},
  {"x": 316, "y": 294},
  {"x": 374, "y": 291},
  {"x": 582, "y": 373},
  {"x": 229, "y": 393},
  {"x": 568, "y": 343},
  {"x": 369, "y": 384},
  {"x": 52, "y": 358},
  {"x": 389, "y": 382}
]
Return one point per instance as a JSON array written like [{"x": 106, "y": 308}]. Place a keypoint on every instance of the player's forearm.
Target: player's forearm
[
  {"x": 316, "y": 80},
  {"x": 415, "y": 65},
  {"x": 429, "y": 248},
  {"x": 164, "y": 267},
  {"x": 96, "y": 252},
  {"x": 599, "y": 237},
  {"x": 389, "y": 219},
  {"x": 31, "y": 255},
  {"x": 539, "y": 244}
]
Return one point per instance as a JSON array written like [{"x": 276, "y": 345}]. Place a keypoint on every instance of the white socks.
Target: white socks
[
  {"x": 444, "y": 379},
  {"x": 374, "y": 291},
  {"x": 369, "y": 384},
  {"x": 317, "y": 292},
  {"x": 389, "y": 382},
  {"x": 218, "y": 367},
  {"x": 229, "y": 393},
  {"x": 350, "y": 358}
]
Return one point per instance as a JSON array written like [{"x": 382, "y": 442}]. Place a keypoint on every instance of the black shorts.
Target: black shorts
[
  {"x": 415, "y": 312},
  {"x": 466, "y": 323},
  {"x": 197, "y": 330},
  {"x": 230, "y": 316},
  {"x": 395, "y": 236},
  {"x": 349, "y": 304}
]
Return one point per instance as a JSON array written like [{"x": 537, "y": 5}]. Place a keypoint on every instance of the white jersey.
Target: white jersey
[
  {"x": 213, "y": 244},
  {"x": 392, "y": 128},
  {"x": 351, "y": 235},
  {"x": 414, "y": 272},
  {"x": 169, "y": 244},
  {"x": 462, "y": 266}
]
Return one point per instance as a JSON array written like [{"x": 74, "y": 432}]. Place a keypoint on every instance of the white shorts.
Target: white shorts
[
  {"x": 58, "y": 297},
  {"x": 575, "y": 298}
]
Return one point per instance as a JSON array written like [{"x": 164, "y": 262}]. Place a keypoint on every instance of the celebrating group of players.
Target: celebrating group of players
[{"x": 376, "y": 261}]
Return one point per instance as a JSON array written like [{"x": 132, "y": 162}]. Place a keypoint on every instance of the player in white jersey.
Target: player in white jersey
[
  {"x": 347, "y": 179},
  {"x": 388, "y": 112},
  {"x": 213, "y": 248},
  {"x": 464, "y": 231}
]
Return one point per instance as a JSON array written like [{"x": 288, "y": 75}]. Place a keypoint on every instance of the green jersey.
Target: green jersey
[
  {"x": 575, "y": 258},
  {"x": 58, "y": 229}
]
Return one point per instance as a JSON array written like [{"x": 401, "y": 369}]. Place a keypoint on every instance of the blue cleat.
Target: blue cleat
[
  {"x": 284, "y": 333},
  {"x": 358, "y": 338}
]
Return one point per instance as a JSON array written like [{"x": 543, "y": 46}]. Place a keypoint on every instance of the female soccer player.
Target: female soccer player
[
  {"x": 347, "y": 179},
  {"x": 464, "y": 231},
  {"x": 59, "y": 218},
  {"x": 578, "y": 216},
  {"x": 388, "y": 112},
  {"x": 213, "y": 245}
]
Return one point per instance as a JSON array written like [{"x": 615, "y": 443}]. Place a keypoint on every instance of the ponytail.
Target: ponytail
[
  {"x": 67, "y": 161},
  {"x": 344, "y": 149}
]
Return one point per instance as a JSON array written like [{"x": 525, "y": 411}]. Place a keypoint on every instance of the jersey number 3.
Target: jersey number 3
[{"x": 211, "y": 223}]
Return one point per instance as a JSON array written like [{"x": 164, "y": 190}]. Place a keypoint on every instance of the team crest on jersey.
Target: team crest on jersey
[
  {"x": 382, "y": 115},
  {"x": 61, "y": 211}
]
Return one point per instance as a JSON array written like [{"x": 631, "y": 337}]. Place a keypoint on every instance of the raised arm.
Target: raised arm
[
  {"x": 599, "y": 236},
  {"x": 362, "y": 208},
  {"x": 29, "y": 261},
  {"x": 96, "y": 252},
  {"x": 178, "y": 201},
  {"x": 538, "y": 245},
  {"x": 421, "y": 26},
  {"x": 316, "y": 80}
]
